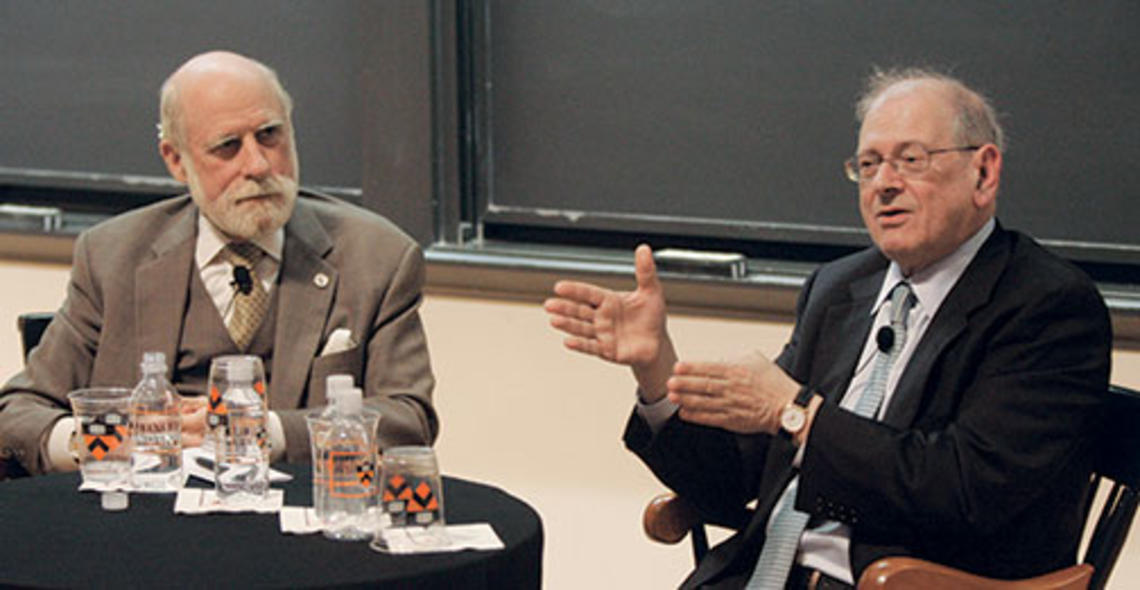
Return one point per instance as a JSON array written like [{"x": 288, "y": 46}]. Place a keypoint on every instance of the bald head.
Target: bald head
[
  {"x": 974, "y": 117},
  {"x": 200, "y": 73}
]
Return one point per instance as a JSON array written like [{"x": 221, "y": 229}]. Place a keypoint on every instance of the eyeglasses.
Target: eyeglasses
[{"x": 911, "y": 159}]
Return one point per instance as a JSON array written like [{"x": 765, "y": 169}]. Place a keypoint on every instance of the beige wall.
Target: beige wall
[{"x": 520, "y": 412}]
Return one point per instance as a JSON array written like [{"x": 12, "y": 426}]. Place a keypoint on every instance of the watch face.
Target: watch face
[{"x": 792, "y": 419}]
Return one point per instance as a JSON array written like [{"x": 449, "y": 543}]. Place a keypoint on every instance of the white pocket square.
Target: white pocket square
[{"x": 339, "y": 341}]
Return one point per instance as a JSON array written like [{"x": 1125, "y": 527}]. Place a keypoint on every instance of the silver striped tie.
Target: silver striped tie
[{"x": 787, "y": 523}]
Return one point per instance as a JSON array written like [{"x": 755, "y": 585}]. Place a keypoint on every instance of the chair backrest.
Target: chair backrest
[
  {"x": 1118, "y": 460},
  {"x": 32, "y": 326}
]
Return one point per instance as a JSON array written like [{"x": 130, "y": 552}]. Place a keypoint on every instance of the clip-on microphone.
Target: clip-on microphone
[
  {"x": 885, "y": 338},
  {"x": 242, "y": 280}
]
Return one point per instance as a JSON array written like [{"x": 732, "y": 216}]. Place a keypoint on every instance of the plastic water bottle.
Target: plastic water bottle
[
  {"x": 319, "y": 426},
  {"x": 345, "y": 454},
  {"x": 156, "y": 429},
  {"x": 241, "y": 466}
]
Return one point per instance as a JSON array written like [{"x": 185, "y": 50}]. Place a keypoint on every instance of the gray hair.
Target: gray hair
[
  {"x": 977, "y": 122},
  {"x": 170, "y": 107}
]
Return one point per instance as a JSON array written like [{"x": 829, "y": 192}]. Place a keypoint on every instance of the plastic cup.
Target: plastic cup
[
  {"x": 411, "y": 497},
  {"x": 102, "y": 433}
]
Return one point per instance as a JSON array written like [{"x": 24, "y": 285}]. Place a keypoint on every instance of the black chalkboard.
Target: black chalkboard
[
  {"x": 730, "y": 119},
  {"x": 79, "y": 80}
]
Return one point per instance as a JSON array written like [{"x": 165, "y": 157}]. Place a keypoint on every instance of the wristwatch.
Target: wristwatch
[{"x": 793, "y": 417}]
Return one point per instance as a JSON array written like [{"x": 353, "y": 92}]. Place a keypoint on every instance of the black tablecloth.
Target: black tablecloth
[{"x": 52, "y": 535}]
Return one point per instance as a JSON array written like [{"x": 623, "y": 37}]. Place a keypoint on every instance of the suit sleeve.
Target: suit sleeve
[
  {"x": 398, "y": 377},
  {"x": 36, "y": 397}
]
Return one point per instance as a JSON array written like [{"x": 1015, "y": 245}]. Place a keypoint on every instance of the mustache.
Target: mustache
[{"x": 272, "y": 185}]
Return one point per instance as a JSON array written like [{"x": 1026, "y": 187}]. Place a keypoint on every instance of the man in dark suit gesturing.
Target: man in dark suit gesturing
[
  {"x": 935, "y": 398},
  {"x": 338, "y": 287}
]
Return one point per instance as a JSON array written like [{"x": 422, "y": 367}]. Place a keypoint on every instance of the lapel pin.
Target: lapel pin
[{"x": 321, "y": 280}]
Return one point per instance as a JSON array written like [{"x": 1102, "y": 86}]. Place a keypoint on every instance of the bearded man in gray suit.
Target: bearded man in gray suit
[{"x": 343, "y": 285}]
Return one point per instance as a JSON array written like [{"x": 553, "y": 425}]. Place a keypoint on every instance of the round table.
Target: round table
[{"x": 52, "y": 535}]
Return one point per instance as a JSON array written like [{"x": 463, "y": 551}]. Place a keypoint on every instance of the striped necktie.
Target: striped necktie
[
  {"x": 787, "y": 523},
  {"x": 251, "y": 300}
]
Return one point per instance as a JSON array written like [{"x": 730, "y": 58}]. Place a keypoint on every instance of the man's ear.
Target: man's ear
[
  {"x": 172, "y": 157},
  {"x": 988, "y": 165}
]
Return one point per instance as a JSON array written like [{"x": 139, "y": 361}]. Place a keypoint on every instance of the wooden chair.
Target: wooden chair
[
  {"x": 669, "y": 518},
  {"x": 31, "y": 327}
]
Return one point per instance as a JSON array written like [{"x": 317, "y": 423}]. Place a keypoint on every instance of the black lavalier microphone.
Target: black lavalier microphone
[
  {"x": 242, "y": 280},
  {"x": 885, "y": 338}
]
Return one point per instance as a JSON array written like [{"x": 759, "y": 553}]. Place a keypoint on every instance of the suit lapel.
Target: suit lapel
[
  {"x": 972, "y": 290},
  {"x": 305, "y": 295},
  {"x": 838, "y": 350},
  {"x": 161, "y": 287}
]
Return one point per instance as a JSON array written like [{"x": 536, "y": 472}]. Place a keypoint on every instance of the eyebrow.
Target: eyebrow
[{"x": 223, "y": 139}]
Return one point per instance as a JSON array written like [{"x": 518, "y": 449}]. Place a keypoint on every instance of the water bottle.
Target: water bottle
[
  {"x": 346, "y": 462},
  {"x": 241, "y": 466},
  {"x": 319, "y": 425},
  {"x": 156, "y": 429}
]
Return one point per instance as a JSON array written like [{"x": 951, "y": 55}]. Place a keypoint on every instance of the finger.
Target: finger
[
  {"x": 573, "y": 309},
  {"x": 694, "y": 385},
  {"x": 573, "y": 327},
  {"x": 707, "y": 368},
  {"x": 644, "y": 269},
  {"x": 580, "y": 292}
]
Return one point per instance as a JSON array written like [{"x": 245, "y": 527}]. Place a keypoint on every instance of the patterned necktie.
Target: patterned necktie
[
  {"x": 788, "y": 523},
  {"x": 889, "y": 349},
  {"x": 250, "y": 302}
]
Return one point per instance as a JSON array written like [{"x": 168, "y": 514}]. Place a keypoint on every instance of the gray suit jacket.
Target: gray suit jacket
[{"x": 127, "y": 294}]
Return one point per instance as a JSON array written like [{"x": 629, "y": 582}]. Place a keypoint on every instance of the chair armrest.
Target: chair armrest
[
  {"x": 668, "y": 518},
  {"x": 907, "y": 572}
]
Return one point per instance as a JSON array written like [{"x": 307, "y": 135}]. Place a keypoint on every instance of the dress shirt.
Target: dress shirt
[{"x": 217, "y": 272}]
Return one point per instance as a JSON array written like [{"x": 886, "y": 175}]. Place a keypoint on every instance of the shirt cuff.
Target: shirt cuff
[
  {"x": 58, "y": 448},
  {"x": 657, "y": 413},
  {"x": 276, "y": 438}
]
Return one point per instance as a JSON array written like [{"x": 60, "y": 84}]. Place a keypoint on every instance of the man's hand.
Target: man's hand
[
  {"x": 193, "y": 413},
  {"x": 626, "y": 328},
  {"x": 744, "y": 396}
]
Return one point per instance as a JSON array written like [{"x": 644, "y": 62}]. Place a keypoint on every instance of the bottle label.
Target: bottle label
[{"x": 350, "y": 474}]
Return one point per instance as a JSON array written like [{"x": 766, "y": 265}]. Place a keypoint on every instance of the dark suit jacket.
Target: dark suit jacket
[
  {"x": 129, "y": 284},
  {"x": 983, "y": 458}
]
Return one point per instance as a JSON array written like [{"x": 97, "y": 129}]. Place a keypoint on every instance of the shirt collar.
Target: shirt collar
[
  {"x": 931, "y": 285},
  {"x": 211, "y": 242}
]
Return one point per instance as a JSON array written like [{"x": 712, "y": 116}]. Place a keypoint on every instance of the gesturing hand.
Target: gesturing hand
[
  {"x": 622, "y": 327},
  {"x": 744, "y": 396}
]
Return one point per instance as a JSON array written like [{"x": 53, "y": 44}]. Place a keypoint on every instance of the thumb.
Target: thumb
[{"x": 644, "y": 269}]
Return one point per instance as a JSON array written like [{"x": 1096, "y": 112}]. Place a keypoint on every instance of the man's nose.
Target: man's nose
[
  {"x": 887, "y": 179},
  {"x": 255, "y": 164}
]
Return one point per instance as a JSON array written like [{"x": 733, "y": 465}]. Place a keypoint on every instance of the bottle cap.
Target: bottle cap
[
  {"x": 114, "y": 501},
  {"x": 335, "y": 385},
  {"x": 350, "y": 402},
  {"x": 153, "y": 362}
]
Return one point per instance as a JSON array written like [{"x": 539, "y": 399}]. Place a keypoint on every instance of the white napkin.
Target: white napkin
[
  {"x": 299, "y": 520},
  {"x": 205, "y": 501},
  {"x": 199, "y": 462},
  {"x": 479, "y": 536},
  {"x": 302, "y": 520}
]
